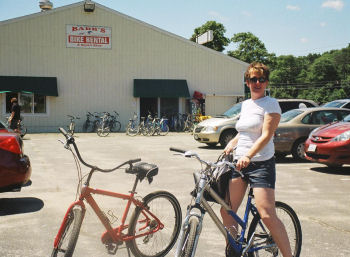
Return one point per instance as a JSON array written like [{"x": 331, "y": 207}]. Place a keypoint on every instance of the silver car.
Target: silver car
[{"x": 219, "y": 129}]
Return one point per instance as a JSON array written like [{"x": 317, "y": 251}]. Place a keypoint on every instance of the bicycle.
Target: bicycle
[
  {"x": 132, "y": 129},
  {"x": 103, "y": 128},
  {"x": 258, "y": 241},
  {"x": 153, "y": 227},
  {"x": 113, "y": 123},
  {"x": 71, "y": 127},
  {"x": 159, "y": 127},
  {"x": 21, "y": 128}
]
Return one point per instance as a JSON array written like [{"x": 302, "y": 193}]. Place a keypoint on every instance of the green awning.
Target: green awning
[
  {"x": 172, "y": 88},
  {"x": 36, "y": 85}
]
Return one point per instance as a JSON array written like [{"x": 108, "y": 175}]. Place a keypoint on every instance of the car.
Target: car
[
  {"x": 330, "y": 144},
  {"x": 222, "y": 128},
  {"x": 296, "y": 125},
  {"x": 15, "y": 167},
  {"x": 3, "y": 127},
  {"x": 341, "y": 103}
]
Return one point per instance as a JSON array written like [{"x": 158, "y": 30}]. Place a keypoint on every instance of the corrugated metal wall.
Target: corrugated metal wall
[{"x": 102, "y": 79}]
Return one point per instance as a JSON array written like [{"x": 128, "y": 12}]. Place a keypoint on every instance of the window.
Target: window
[{"x": 30, "y": 103}]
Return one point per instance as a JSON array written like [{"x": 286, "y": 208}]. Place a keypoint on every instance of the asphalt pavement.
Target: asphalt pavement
[{"x": 30, "y": 219}]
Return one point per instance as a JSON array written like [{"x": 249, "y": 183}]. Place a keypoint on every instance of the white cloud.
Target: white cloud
[
  {"x": 293, "y": 7},
  {"x": 335, "y": 4},
  {"x": 218, "y": 16},
  {"x": 304, "y": 40},
  {"x": 323, "y": 24}
]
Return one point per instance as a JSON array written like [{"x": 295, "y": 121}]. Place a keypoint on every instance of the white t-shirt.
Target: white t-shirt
[{"x": 250, "y": 126}]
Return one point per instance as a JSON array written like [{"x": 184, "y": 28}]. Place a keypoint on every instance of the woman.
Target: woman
[{"x": 258, "y": 121}]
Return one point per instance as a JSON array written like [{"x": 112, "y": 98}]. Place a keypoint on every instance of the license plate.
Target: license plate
[{"x": 311, "y": 148}]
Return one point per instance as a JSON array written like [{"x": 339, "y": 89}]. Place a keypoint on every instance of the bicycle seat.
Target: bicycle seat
[{"x": 142, "y": 170}]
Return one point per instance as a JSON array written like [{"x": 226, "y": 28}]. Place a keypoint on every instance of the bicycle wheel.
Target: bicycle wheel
[
  {"x": 167, "y": 209},
  {"x": 70, "y": 234},
  {"x": 263, "y": 237},
  {"x": 115, "y": 126},
  {"x": 132, "y": 130},
  {"x": 103, "y": 131},
  {"x": 187, "y": 243},
  {"x": 164, "y": 130}
]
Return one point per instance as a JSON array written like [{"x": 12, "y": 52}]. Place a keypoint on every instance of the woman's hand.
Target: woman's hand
[
  {"x": 243, "y": 162},
  {"x": 229, "y": 147}
]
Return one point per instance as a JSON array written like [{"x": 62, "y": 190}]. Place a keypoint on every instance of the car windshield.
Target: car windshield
[
  {"x": 287, "y": 116},
  {"x": 335, "y": 104},
  {"x": 347, "y": 118},
  {"x": 233, "y": 111}
]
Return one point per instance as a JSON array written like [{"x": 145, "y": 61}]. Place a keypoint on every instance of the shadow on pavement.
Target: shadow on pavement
[
  {"x": 11, "y": 206},
  {"x": 217, "y": 147},
  {"x": 333, "y": 170}
]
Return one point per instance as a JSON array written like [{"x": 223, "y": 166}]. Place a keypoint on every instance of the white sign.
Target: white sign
[
  {"x": 86, "y": 36},
  {"x": 206, "y": 37}
]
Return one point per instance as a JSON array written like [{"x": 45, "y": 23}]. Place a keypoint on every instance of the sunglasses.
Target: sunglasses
[{"x": 255, "y": 80}]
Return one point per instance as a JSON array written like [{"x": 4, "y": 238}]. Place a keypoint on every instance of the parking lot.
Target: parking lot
[{"x": 30, "y": 219}]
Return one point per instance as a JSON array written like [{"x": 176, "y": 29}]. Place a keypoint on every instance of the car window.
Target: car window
[
  {"x": 336, "y": 104},
  {"x": 347, "y": 105},
  {"x": 343, "y": 114},
  {"x": 323, "y": 117},
  {"x": 309, "y": 104},
  {"x": 287, "y": 116},
  {"x": 233, "y": 111},
  {"x": 347, "y": 118},
  {"x": 307, "y": 119}
]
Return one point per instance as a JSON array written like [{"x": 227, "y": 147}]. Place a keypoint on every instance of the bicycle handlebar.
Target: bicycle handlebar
[{"x": 71, "y": 140}]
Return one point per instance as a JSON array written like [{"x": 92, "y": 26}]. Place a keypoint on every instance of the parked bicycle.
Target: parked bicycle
[
  {"x": 103, "y": 128},
  {"x": 113, "y": 123},
  {"x": 21, "y": 128},
  {"x": 134, "y": 128},
  {"x": 159, "y": 127},
  {"x": 188, "y": 124},
  {"x": 71, "y": 127},
  {"x": 153, "y": 227},
  {"x": 257, "y": 242}
]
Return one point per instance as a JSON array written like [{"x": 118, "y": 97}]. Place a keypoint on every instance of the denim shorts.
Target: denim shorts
[{"x": 259, "y": 174}]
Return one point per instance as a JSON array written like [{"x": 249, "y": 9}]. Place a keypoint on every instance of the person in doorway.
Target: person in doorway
[
  {"x": 258, "y": 121},
  {"x": 15, "y": 115}
]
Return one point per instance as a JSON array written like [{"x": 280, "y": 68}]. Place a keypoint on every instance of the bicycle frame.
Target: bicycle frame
[
  {"x": 197, "y": 210},
  {"x": 114, "y": 233}
]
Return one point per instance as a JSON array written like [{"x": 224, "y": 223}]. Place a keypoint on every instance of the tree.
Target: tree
[
  {"x": 219, "y": 42},
  {"x": 250, "y": 48},
  {"x": 323, "y": 70},
  {"x": 286, "y": 70}
]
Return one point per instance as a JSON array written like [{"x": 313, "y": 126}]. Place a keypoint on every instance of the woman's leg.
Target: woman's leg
[
  {"x": 237, "y": 188},
  {"x": 265, "y": 203}
]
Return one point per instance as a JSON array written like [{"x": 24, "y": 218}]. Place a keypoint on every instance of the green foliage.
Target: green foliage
[
  {"x": 250, "y": 48},
  {"x": 219, "y": 42}
]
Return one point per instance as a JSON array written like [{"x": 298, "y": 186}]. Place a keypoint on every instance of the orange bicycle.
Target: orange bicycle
[{"x": 153, "y": 227}]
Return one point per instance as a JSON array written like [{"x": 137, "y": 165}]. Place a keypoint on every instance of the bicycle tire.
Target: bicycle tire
[
  {"x": 132, "y": 131},
  {"x": 167, "y": 209},
  {"x": 164, "y": 130},
  {"x": 70, "y": 234},
  {"x": 188, "y": 241},
  {"x": 292, "y": 224},
  {"x": 115, "y": 126},
  {"x": 103, "y": 132}
]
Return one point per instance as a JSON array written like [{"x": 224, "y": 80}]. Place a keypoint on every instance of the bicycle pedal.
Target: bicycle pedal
[{"x": 111, "y": 248}]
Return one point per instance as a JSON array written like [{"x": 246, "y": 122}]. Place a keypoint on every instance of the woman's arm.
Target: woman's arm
[
  {"x": 270, "y": 125},
  {"x": 229, "y": 147}
]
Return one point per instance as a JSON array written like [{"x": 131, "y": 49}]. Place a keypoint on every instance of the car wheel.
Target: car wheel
[
  {"x": 226, "y": 137},
  {"x": 298, "y": 150}
]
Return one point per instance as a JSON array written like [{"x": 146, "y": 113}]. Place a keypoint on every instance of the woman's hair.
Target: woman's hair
[{"x": 258, "y": 67}]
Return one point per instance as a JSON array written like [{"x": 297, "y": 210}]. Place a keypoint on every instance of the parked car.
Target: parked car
[
  {"x": 330, "y": 144},
  {"x": 15, "y": 168},
  {"x": 341, "y": 103},
  {"x": 222, "y": 128},
  {"x": 296, "y": 125}
]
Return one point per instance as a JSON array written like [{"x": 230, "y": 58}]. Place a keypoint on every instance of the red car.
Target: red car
[
  {"x": 330, "y": 144},
  {"x": 15, "y": 168}
]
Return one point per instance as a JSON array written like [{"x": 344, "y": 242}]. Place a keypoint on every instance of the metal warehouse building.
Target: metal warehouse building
[{"x": 70, "y": 60}]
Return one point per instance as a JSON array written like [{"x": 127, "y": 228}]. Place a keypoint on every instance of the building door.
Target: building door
[{"x": 148, "y": 105}]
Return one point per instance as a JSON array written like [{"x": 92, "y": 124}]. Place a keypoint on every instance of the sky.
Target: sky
[{"x": 296, "y": 27}]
